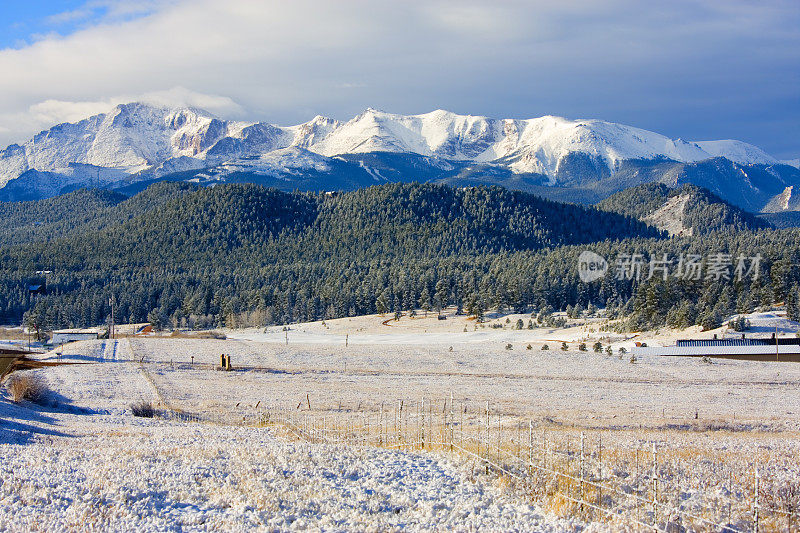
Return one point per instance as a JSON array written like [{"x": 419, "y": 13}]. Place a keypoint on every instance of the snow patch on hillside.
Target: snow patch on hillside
[{"x": 670, "y": 216}]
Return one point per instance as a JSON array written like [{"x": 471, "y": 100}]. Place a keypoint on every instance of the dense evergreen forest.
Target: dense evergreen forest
[
  {"x": 704, "y": 212},
  {"x": 248, "y": 255}
]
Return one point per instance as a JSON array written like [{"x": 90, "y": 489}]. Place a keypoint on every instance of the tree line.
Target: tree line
[{"x": 244, "y": 255}]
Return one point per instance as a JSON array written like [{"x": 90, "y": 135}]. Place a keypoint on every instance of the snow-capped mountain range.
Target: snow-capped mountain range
[{"x": 138, "y": 142}]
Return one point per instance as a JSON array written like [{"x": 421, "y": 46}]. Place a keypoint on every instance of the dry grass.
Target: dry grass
[
  {"x": 26, "y": 386},
  {"x": 14, "y": 334},
  {"x": 714, "y": 468},
  {"x": 143, "y": 409}
]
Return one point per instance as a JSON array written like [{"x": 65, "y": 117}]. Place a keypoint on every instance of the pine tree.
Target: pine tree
[
  {"x": 440, "y": 298},
  {"x": 425, "y": 300},
  {"x": 382, "y": 303},
  {"x": 792, "y": 303},
  {"x": 155, "y": 319}
]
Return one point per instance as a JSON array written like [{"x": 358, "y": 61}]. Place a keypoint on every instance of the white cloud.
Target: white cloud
[
  {"x": 57, "y": 111},
  {"x": 106, "y": 11},
  {"x": 180, "y": 96},
  {"x": 285, "y": 61},
  {"x": 42, "y": 115},
  {"x": 82, "y": 13}
]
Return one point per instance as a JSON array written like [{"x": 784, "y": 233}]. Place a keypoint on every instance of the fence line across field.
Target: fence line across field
[
  {"x": 419, "y": 425},
  {"x": 407, "y": 424}
]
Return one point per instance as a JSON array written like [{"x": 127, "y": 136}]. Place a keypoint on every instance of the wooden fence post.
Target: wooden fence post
[
  {"x": 655, "y": 487},
  {"x": 443, "y": 427},
  {"x": 755, "y": 502},
  {"x": 600, "y": 472},
  {"x": 530, "y": 447},
  {"x": 452, "y": 429},
  {"x": 487, "y": 436},
  {"x": 637, "y": 487},
  {"x": 399, "y": 422},
  {"x": 422, "y": 422},
  {"x": 580, "y": 474},
  {"x": 461, "y": 425}
]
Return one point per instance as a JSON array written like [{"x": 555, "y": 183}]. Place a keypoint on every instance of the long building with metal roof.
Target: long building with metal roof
[{"x": 729, "y": 349}]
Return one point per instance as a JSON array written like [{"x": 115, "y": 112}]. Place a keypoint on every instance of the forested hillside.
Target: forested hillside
[
  {"x": 694, "y": 209},
  {"x": 785, "y": 219},
  {"x": 245, "y": 254},
  {"x": 79, "y": 212}
]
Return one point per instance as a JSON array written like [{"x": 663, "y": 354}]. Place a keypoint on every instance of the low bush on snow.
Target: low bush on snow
[
  {"x": 143, "y": 409},
  {"x": 26, "y": 386}
]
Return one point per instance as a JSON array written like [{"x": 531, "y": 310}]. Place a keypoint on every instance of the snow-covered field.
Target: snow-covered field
[
  {"x": 83, "y": 460},
  {"x": 415, "y": 358},
  {"x": 112, "y": 473}
]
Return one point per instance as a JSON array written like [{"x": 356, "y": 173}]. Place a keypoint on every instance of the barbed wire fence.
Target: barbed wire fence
[{"x": 574, "y": 475}]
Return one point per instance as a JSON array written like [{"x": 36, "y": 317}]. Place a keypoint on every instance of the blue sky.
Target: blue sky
[
  {"x": 24, "y": 23},
  {"x": 689, "y": 69}
]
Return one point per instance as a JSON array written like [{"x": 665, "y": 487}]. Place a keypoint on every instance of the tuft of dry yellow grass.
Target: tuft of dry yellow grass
[{"x": 26, "y": 386}]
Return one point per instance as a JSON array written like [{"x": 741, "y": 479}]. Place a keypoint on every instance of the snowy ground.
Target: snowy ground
[
  {"x": 366, "y": 361},
  {"x": 84, "y": 462},
  {"x": 117, "y": 474},
  {"x": 84, "y": 459}
]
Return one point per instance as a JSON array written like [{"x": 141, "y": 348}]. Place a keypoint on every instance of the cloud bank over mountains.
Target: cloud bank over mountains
[{"x": 690, "y": 69}]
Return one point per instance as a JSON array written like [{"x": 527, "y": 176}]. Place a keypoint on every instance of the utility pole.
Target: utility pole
[
  {"x": 111, "y": 333},
  {"x": 777, "y": 357}
]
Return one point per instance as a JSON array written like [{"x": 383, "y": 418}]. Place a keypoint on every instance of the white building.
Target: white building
[
  {"x": 751, "y": 349},
  {"x": 64, "y": 336}
]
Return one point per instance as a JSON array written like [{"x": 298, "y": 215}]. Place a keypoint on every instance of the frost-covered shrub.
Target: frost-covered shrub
[{"x": 26, "y": 386}]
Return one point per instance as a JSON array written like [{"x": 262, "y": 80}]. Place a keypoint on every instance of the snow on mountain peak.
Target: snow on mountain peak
[
  {"x": 737, "y": 151},
  {"x": 137, "y": 136}
]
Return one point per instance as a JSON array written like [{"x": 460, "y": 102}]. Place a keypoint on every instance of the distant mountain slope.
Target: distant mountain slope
[
  {"x": 139, "y": 143},
  {"x": 787, "y": 219},
  {"x": 80, "y": 211},
  {"x": 54, "y": 217},
  {"x": 478, "y": 218},
  {"x": 686, "y": 210}
]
